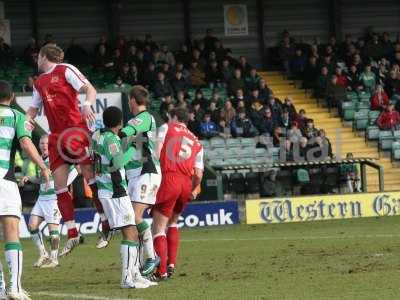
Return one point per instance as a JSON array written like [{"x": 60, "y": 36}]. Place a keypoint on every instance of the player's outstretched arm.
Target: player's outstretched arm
[
  {"x": 90, "y": 91},
  {"x": 116, "y": 154},
  {"x": 33, "y": 154}
]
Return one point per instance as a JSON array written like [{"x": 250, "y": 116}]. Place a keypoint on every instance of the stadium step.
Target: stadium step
[{"x": 339, "y": 135}]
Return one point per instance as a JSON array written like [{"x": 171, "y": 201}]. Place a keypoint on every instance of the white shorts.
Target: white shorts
[
  {"x": 48, "y": 210},
  {"x": 10, "y": 199},
  {"x": 143, "y": 188},
  {"x": 118, "y": 211}
]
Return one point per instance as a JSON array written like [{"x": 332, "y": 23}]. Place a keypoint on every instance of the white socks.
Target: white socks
[{"x": 14, "y": 260}]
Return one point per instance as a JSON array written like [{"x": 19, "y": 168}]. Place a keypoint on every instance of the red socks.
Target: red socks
[
  {"x": 66, "y": 207},
  {"x": 105, "y": 226},
  {"x": 160, "y": 246},
  {"x": 173, "y": 244}
]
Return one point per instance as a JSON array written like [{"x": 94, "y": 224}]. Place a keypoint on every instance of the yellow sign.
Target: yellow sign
[{"x": 314, "y": 208}]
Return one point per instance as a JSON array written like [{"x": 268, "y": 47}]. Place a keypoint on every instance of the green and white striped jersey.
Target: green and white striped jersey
[
  {"x": 50, "y": 193},
  {"x": 143, "y": 127},
  {"x": 111, "y": 182},
  {"x": 13, "y": 126}
]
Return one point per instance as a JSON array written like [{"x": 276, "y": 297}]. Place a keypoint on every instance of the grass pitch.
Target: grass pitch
[{"x": 347, "y": 259}]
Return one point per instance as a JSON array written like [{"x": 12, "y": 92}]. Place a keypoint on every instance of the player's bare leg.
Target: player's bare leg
[
  {"x": 66, "y": 207},
  {"x": 173, "y": 243},
  {"x": 131, "y": 277},
  {"x": 14, "y": 257},
  {"x": 106, "y": 234},
  {"x": 52, "y": 262},
  {"x": 34, "y": 223},
  {"x": 145, "y": 237},
  {"x": 160, "y": 242}
]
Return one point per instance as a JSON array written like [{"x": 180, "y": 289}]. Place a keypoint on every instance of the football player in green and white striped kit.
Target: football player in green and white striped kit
[
  {"x": 110, "y": 160},
  {"x": 143, "y": 173},
  {"x": 14, "y": 130},
  {"x": 46, "y": 209}
]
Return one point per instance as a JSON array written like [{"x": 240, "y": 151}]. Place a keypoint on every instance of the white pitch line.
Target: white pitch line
[
  {"x": 288, "y": 238},
  {"x": 80, "y": 296}
]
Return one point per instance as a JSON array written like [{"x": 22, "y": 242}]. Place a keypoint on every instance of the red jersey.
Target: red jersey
[
  {"x": 181, "y": 151},
  {"x": 57, "y": 90}
]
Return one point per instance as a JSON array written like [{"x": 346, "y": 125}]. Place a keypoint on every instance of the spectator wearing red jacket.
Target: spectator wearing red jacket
[
  {"x": 389, "y": 118},
  {"x": 379, "y": 100},
  {"x": 341, "y": 78}
]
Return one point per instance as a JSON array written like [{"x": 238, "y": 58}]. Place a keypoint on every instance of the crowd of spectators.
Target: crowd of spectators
[{"x": 368, "y": 65}]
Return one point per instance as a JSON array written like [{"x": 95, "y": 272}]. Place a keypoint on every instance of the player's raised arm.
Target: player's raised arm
[{"x": 198, "y": 174}]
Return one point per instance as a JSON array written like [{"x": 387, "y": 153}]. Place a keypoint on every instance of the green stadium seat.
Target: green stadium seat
[
  {"x": 217, "y": 142},
  {"x": 217, "y": 162},
  {"x": 396, "y": 150},
  {"x": 247, "y": 142},
  {"x": 205, "y": 144},
  {"x": 364, "y": 96},
  {"x": 232, "y": 142},
  {"x": 247, "y": 152},
  {"x": 230, "y": 153},
  {"x": 302, "y": 176},
  {"x": 372, "y": 132},
  {"x": 261, "y": 152},
  {"x": 386, "y": 139},
  {"x": 360, "y": 120},
  {"x": 363, "y": 105},
  {"x": 349, "y": 109},
  {"x": 372, "y": 116}
]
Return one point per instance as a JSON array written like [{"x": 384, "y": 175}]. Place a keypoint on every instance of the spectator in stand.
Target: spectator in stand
[
  {"x": 265, "y": 91},
  {"x": 310, "y": 131},
  {"x": 379, "y": 100},
  {"x": 311, "y": 73},
  {"x": 28, "y": 86},
  {"x": 226, "y": 71},
  {"x": 119, "y": 84},
  {"x": 216, "y": 97},
  {"x": 193, "y": 123},
  {"x": 208, "y": 128},
  {"x": 301, "y": 119},
  {"x": 294, "y": 134},
  {"x": 277, "y": 136},
  {"x": 319, "y": 150},
  {"x": 314, "y": 52},
  {"x": 374, "y": 48},
  {"x": 162, "y": 86},
  {"x": 196, "y": 56},
  {"x": 358, "y": 62},
  {"x": 228, "y": 112},
  {"x": 289, "y": 106},
  {"x": 322, "y": 81},
  {"x": 169, "y": 74},
  {"x": 167, "y": 56},
  {"x": 214, "y": 111},
  {"x": 329, "y": 64},
  {"x": 181, "y": 98},
  {"x": 286, "y": 52},
  {"x": 117, "y": 60},
  {"x": 149, "y": 43},
  {"x": 134, "y": 76},
  {"x": 236, "y": 82},
  {"x": 254, "y": 95},
  {"x": 269, "y": 122},
  {"x": 244, "y": 66},
  {"x": 102, "y": 60},
  {"x": 198, "y": 111},
  {"x": 219, "y": 50},
  {"x": 209, "y": 40},
  {"x": 241, "y": 125},
  {"x": 150, "y": 76},
  {"x": 76, "y": 54},
  {"x": 388, "y": 119},
  {"x": 387, "y": 46},
  {"x": 326, "y": 141},
  {"x": 213, "y": 74},
  {"x": 392, "y": 85},
  {"x": 335, "y": 93},
  {"x": 368, "y": 79},
  {"x": 284, "y": 120},
  {"x": 341, "y": 77},
  {"x": 297, "y": 64},
  {"x": 31, "y": 52},
  {"x": 275, "y": 105},
  {"x": 179, "y": 83},
  {"x": 252, "y": 81},
  {"x": 256, "y": 114},
  {"x": 131, "y": 56},
  {"x": 353, "y": 80},
  {"x": 166, "y": 106},
  {"x": 125, "y": 74},
  {"x": 102, "y": 43},
  {"x": 183, "y": 55},
  {"x": 223, "y": 129},
  {"x": 199, "y": 98},
  {"x": 185, "y": 72},
  {"x": 239, "y": 96},
  {"x": 197, "y": 76}
]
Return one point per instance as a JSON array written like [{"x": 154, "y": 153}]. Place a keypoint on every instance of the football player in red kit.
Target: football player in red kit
[
  {"x": 182, "y": 168},
  {"x": 57, "y": 90}
]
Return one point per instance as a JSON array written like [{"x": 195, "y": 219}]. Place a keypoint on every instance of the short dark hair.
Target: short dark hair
[
  {"x": 181, "y": 114},
  {"x": 112, "y": 117},
  {"x": 6, "y": 92},
  {"x": 140, "y": 94}
]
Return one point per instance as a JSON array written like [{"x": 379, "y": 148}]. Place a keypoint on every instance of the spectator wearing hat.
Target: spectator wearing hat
[
  {"x": 241, "y": 125},
  {"x": 389, "y": 119},
  {"x": 236, "y": 82},
  {"x": 379, "y": 100},
  {"x": 208, "y": 128}
]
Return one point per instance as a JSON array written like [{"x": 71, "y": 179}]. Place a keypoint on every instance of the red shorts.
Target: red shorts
[
  {"x": 69, "y": 147},
  {"x": 174, "y": 194}
]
